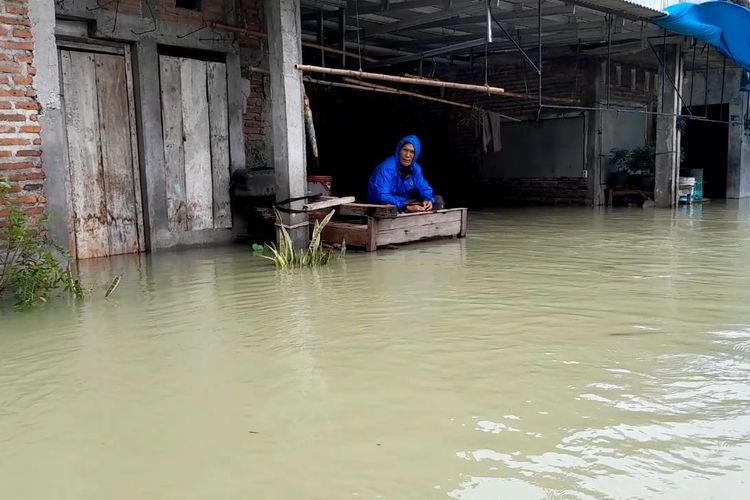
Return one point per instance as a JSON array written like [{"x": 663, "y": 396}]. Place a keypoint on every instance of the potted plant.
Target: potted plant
[{"x": 637, "y": 166}]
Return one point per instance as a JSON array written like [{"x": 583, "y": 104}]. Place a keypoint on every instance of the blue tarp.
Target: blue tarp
[{"x": 724, "y": 25}]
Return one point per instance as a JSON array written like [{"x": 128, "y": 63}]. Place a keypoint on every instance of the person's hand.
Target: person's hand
[
  {"x": 411, "y": 208},
  {"x": 427, "y": 205}
]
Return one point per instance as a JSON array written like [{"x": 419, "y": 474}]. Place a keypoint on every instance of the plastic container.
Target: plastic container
[{"x": 697, "y": 174}]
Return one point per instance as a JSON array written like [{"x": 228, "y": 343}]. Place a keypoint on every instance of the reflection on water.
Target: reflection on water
[{"x": 552, "y": 354}]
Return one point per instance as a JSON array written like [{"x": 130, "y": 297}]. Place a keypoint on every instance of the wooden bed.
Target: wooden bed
[{"x": 372, "y": 226}]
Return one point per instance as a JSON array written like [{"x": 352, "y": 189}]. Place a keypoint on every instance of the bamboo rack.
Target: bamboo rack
[
  {"x": 306, "y": 68},
  {"x": 375, "y": 86},
  {"x": 529, "y": 97}
]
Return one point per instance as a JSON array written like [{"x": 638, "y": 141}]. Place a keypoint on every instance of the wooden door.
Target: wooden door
[
  {"x": 104, "y": 185},
  {"x": 196, "y": 143}
]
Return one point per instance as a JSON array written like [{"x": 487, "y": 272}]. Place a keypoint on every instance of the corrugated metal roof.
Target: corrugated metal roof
[{"x": 625, "y": 8}]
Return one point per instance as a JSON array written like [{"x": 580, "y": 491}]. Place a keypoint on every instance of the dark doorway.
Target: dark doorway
[
  {"x": 356, "y": 130},
  {"x": 704, "y": 144}
]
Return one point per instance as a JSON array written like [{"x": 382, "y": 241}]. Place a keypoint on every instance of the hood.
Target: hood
[{"x": 414, "y": 141}]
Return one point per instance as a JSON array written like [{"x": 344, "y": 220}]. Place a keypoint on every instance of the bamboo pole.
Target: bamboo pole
[
  {"x": 399, "y": 79},
  {"x": 529, "y": 97},
  {"x": 422, "y": 96}
]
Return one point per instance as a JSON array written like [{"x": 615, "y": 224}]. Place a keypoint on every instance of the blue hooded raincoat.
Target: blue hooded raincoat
[{"x": 387, "y": 185}]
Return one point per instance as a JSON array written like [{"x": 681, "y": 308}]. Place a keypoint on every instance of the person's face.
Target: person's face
[{"x": 407, "y": 155}]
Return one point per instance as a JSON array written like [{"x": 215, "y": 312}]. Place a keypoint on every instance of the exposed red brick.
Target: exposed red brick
[
  {"x": 15, "y": 21},
  {"x": 12, "y": 68},
  {"x": 26, "y": 176},
  {"x": 5, "y": 105},
  {"x": 37, "y": 142},
  {"x": 12, "y": 118},
  {"x": 29, "y": 152},
  {"x": 22, "y": 80},
  {"x": 11, "y": 93},
  {"x": 14, "y": 142},
  {"x": 14, "y": 9},
  {"x": 34, "y": 211},
  {"x": 5, "y": 154},
  {"x": 20, "y": 33},
  {"x": 17, "y": 45},
  {"x": 31, "y": 129},
  {"x": 18, "y": 165},
  {"x": 27, "y": 105},
  {"x": 26, "y": 200}
]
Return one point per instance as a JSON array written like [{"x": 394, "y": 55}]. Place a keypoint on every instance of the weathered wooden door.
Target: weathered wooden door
[
  {"x": 196, "y": 143},
  {"x": 104, "y": 186}
]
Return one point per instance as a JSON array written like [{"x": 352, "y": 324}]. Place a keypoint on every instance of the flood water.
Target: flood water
[{"x": 554, "y": 353}]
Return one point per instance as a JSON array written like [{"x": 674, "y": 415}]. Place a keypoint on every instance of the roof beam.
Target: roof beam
[
  {"x": 389, "y": 7},
  {"x": 416, "y": 19},
  {"x": 457, "y": 47}
]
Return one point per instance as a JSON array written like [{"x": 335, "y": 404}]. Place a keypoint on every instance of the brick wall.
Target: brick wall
[{"x": 20, "y": 142}]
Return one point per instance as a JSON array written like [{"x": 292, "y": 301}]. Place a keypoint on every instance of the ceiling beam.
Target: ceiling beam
[
  {"x": 457, "y": 47},
  {"x": 416, "y": 19},
  {"x": 391, "y": 7}
]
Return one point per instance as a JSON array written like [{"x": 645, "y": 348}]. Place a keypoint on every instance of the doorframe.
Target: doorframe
[{"x": 112, "y": 48}]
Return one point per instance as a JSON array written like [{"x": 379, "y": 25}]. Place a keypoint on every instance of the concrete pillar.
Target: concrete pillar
[
  {"x": 596, "y": 164},
  {"x": 47, "y": 86},
  {"x": 738, "y": 147},
  {"x": 667, "y": 135},
  {"x": 284, "y": 51}
]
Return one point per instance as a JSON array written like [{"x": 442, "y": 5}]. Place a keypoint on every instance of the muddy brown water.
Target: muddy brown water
[{"x": 554, "y": 353}]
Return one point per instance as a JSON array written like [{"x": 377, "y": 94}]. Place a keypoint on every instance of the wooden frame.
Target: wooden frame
[
  {"x": 404, "y": 228},
  {"x": 117, "y": 49}
]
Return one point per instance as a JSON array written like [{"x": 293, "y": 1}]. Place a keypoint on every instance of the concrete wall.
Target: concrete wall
[
  {"x": 548, "y": 148},
  {"x": 624, "y": 130},
  {"x": 724, "y": 88},
  {"x": 553, "y": 153}
]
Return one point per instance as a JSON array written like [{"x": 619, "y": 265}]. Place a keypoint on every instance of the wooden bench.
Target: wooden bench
[{"x": 387, "y": 227}]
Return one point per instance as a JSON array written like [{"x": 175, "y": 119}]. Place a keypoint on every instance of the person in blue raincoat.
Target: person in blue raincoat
[{"x": 398, "y": 180}]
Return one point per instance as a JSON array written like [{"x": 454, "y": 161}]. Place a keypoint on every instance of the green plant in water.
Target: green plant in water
[
  {"x": 314, "y": 255},
  {"x": 29, "y": 269}
]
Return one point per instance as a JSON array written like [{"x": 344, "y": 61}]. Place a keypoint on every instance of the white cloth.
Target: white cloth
[{"x": 491, "y": 132}]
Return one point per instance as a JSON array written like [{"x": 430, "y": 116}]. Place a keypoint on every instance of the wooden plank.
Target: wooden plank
[
  {"x": 174, "y": 155},
  {"x": 420, "y": 232},
  {"x": 90, "y": 47},
  {"x": 84, "y": 156},
  {"x": 420, "y": 219},
  {"x": 464, "y": 222},
  {"x": 354, "y": 235},
  {"x": 220, "y": 166},
  {"x": 372, "y": 234},
  {"x": 197, "y": 145},
  {"x": 368, "y": 210},
  {"x": 134, "y": 151},
  {"x": 327, "y": 203},
  {"x": 117, "y": 154}
]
